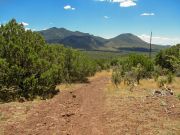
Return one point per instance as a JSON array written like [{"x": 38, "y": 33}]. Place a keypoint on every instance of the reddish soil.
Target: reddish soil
[{"x": 91, "y": 109}]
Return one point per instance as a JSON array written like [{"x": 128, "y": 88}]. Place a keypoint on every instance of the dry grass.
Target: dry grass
[
  {"x": 153, "y": 85},
  {"x": 65, "y": 87},
  {"x": 138, "y": 112},
  {"x": 146, "y": 87},
  {"x": 176, "y": 85},
  {"x": 101, "y": 74}
]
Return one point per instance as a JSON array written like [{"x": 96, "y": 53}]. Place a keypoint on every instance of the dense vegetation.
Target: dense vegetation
[
  {"x": 29, "y": 67},
  {"x": 131, "y": 69},
  {"x": 135, "y": 67},
  {"x": 170, "y": 59}
]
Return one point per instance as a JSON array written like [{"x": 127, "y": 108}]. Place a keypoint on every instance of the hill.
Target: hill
[{"x": 123, "y": 43}]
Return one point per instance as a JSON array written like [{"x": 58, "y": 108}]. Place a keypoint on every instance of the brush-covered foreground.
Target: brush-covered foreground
[
  {"x": 31, "y": 68},
  {"x": 94, "y": 108}
]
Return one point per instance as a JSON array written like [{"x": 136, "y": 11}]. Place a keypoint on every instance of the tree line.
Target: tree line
[{"x": 30, "y": 68}]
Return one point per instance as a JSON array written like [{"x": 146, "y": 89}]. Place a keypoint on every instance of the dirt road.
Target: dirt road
[{"x": 90, "y": 109}]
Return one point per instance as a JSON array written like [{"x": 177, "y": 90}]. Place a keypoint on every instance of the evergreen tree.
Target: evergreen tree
[{"x": 29, "y": 67}]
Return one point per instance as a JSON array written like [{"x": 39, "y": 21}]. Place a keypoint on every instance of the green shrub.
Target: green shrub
[
  {"x": 29, "y": 67},
  {"x": 170, "y": 77},
  {"x": 159, "y": 71},
  {"x": 8, "y": 94},
  {"x": 117, "y": 75},
  {"x": 133, "y": 60},
  {"x": 169, "y": 58},
  {"x": 129, "y": 78},
  {"x": 161, "y": 81},
  {"x": 162, "y": 76},
  {"x": 164, "y": 80},
  {"x": 138, "y": 72},
  {"x": 135, "y": 67}
]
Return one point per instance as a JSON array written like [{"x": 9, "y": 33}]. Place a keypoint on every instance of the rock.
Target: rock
[
  {"x": 70, "y": 92},
  {"x": 67, "y": 114},
  {"x": 170, "y": 91},
  {"x": 157, "y": 93},
  {"x": 163, "y": 92},
  {"x": 74, "y": 96}
]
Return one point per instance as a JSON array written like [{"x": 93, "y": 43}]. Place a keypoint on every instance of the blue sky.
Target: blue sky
[{"x": 106, "y": 18}]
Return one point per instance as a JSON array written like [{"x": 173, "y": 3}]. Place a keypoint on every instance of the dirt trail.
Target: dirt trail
[
  {"x": 92, "y": 109},
  {"x": 75, "y": 112}
]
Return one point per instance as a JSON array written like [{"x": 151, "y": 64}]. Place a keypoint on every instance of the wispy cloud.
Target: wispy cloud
[
  {"x": 147, "y": 14},
  {"x": 25, "y": 24},
  {"x": 106, "y": 17},
  {"x": 69, "y": 7},
  {"x": 160, "y": 39},
  {"x": 122, "y": 3}
]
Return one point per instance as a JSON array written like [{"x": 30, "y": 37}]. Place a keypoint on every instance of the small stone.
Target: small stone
[{"x": 74, "y": 96}]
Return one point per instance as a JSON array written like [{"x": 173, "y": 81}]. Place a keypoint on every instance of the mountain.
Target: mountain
[
  {"x": 124, "y": 42},
  {"x": 72, "y": 39},
  {"x": 130, "y": 42}
]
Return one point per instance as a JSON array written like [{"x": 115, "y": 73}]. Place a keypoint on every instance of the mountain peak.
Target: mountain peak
[
  {"x": 127, "y": 35},
  {"x": 57, "y": 29},
  {"x": 80, "y": 40},
  {"x": 53, "y": 28}
]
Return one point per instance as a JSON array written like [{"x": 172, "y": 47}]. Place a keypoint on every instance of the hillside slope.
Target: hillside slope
[{"x": 85, "y": 41}]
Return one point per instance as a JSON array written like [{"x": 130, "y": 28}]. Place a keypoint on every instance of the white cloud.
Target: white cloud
[
  {"x": 147, "y": 14},
  {"x": 27, "y": 29},
  {"x": 24, "y": 24},
  {"x": 68, "y": 7},
  {"x": 127, "y": 3},
  {"x": 106, "y": 17},
  {"x": 160, "y": 39},
  {"x": 122, "y": 3}
]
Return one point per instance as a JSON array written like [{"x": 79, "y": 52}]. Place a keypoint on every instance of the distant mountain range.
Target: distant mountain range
[{"x": 123, "y": 43}]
